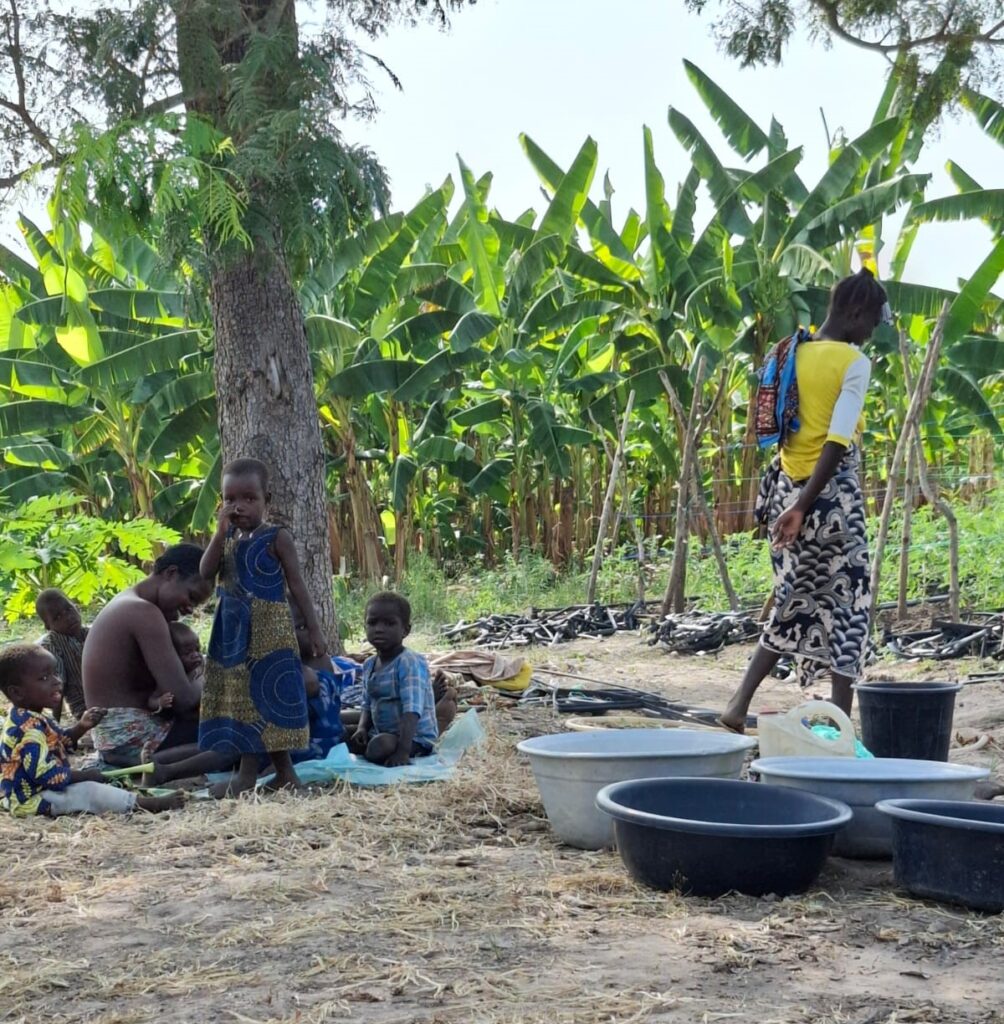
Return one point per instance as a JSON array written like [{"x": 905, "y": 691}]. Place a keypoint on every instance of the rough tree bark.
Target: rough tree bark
[{"x": 267, "y": 409}]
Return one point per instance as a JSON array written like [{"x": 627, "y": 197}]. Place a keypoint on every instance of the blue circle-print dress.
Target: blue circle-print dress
[{"x": 254, "y": 700}]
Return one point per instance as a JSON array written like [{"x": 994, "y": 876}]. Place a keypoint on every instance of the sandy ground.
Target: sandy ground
[{"x": 453, "y": 903}]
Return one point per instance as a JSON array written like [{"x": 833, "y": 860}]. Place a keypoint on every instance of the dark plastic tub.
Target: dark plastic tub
[
  {"x": 912, "y": 720},
  {"x": 949, "y": 850},
  {"x": 707, "y": 837}
]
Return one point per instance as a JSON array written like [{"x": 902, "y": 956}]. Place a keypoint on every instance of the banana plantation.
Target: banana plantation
[{"x": 473, "y": 369}]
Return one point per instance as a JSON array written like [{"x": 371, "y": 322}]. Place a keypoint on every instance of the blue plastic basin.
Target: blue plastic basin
[
  {"x": 949, "y": 850},
  {"x": 707, "y": 837}
]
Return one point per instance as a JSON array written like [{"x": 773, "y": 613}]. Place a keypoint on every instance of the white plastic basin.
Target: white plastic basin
[
  {"x": 571, "y": 768},
  {"x": 862, "y": 782}
]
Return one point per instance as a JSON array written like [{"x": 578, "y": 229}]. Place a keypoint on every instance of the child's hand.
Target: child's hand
[
  {"x": 317, "y": 641},
  {"x": 165, "y": 701},
  {"x": 91, "y": 717},
  {"x": 224, "y": 517},
  {"x": 358, "y": 740}
]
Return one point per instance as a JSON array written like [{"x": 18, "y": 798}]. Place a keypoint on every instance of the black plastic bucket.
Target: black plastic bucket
[{"x": 911, "y": 720}]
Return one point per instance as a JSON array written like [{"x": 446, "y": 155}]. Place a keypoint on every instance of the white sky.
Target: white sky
[{"x": 564, "y": 69}]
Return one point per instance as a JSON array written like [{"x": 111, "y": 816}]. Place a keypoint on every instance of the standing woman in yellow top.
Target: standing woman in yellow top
[{"x": 811, "y": 501}]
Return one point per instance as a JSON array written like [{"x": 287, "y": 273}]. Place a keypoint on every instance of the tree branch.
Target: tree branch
[
  {"x": 20, "y": 108},
  {"x": 943, "y": 37}
]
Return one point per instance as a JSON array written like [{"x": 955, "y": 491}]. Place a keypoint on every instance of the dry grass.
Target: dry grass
[{"x": 442, "y": 903}]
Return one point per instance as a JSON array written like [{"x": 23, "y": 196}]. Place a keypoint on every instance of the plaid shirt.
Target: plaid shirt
[
  {"x": 32, "y": 760},
  {"x": 68, "y": 651},
  {"x": 400, "y": 687}
]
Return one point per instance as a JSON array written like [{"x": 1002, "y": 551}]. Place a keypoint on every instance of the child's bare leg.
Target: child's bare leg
[
  {"x": 156, "y": 804},
  {"x": 446, "y": 702},
  {"x": 244, "y": 779},
  {"x": 380, "y": 747},
  {"x": 190, "y": 765},
  {"x": 285, "y": 773}
]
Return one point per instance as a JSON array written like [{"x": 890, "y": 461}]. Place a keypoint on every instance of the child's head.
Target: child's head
[
  {"x": 388, "y": 620},
  {"x": 58, "y": 613},
  {"x": 28, "y": 677},
  {"x": 186, "y": 643},
  {"x": 245, "y": 486}
]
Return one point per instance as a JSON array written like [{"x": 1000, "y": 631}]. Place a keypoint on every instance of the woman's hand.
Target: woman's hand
[{"x": 786, "y": 528}]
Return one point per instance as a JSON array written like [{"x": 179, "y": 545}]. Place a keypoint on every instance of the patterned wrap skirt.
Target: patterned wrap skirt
[{"x": 822, "y": 583}]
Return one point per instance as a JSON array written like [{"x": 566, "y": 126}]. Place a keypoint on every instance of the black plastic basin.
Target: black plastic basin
[
  {"x": 707, "y": 837},
  {"x": 949, "y": 850}
]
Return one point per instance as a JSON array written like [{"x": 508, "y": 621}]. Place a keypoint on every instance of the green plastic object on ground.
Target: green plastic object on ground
[{"x": 827, "y": 732}]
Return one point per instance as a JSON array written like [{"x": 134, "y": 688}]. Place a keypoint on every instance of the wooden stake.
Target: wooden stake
[
  {"x": 917, "y": 403},
  {"x": 674, "y": 598},
  {"x": 697, "y": 491},
  {"x": 608, "y": 502}
]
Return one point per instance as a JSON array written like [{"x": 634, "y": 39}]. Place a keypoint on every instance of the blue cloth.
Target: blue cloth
[
  {"x": 401, "y": 687},
  {"x": 324, "y": 712},
  {"x": 777, "y": 392},
  {"x": 254, "y": 701},
  {"x": 347, "y": 673}
]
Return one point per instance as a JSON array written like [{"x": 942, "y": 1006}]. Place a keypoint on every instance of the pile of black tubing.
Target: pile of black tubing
[
  {"x": 702, "y": 632},
  {"x": 546, "y": 626},
  {"x": 946, "y": 640}
]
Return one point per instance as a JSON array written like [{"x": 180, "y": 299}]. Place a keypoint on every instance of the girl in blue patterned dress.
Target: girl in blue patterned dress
[{"x": 254, "y": 701}]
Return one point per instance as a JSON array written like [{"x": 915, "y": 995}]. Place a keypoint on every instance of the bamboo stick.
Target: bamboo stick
[
  {"x": 697, "y": 491},
  {"x": 917, "y": 402},
  {"x": 608, "y": 502},
  {"x": 673, "y": 599}
]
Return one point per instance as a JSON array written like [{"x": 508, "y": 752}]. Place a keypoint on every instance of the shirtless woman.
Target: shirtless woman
[{"x": 130, "y": 658}]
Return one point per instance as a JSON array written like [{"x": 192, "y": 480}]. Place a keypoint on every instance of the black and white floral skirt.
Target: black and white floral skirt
[{"x": 822, "y": 583}]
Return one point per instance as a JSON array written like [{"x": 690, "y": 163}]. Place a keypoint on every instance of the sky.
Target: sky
[{"x": 561, "y": 70}]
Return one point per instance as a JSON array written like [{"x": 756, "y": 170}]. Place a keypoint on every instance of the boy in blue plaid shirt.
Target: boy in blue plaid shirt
[{"x": 398, "y": 721}]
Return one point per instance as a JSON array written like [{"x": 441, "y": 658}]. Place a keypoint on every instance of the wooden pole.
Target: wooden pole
[
  {"x": 697, "y": 490},
  {"x": 608, "y": 502},
  {"x": 904, "y": 548},
  {"x": 673, "y": 599},
  {"x": 917, "y": 402}
]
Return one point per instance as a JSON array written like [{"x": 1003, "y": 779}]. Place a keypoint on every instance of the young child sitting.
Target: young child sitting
[
  {"x": 398, "y": 721},
  {"x": 65, "y": 642},
  {"x": 186, "y": 643},
  {"x": 35, "y": 772}
]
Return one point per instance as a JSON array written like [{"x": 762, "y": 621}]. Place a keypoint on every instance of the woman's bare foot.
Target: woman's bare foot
[
  {"x": 733, "y": 724},
  {"x": 156, "y": 804}
]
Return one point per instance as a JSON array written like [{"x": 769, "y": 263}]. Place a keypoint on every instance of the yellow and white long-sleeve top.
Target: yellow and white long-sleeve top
[{"x": 832, "y": 381}]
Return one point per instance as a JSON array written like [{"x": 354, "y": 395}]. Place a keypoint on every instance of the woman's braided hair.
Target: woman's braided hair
[{"x": 857, "y": 292}]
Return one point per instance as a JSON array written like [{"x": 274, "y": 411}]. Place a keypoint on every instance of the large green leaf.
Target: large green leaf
[
  {"x": 608, "y": 247},
  {"x": 917, "y": 299},
  {"x": 492, "y": 476},
  {"x": 35, "y": 417},
  {"x": 744, "y": 135},
  {"x": 965, "y": 310},
  {"x": 845, "y": 218},
  {"x": 205, "y": 505},
  {"x": 371, "y": 378},
  {"x": 986, "y": 204},
  {"x": 539, "y": 258},
  {"x": 329, "y": 334},
  {"x": 163, "y": 353},
  {"x": 570, "y": 196},
  {"x": 721, "y": 185},
  {"x": 482, "y": 245},
  {"x": 980, "y": 356},
  {"x": 130, "y": 302},
  {"x": 546, "y": 438},
  {"x": 577, "y": 338},
  {"x": 484, "y": 412},
  {"x": 401, "y": 477},
  {"x": 989, "y": 112},
  {"x": 186, "y": 430},
  {"x": 470, "y": 329},
  {"x": 853, "y": 159},
  {"x": 443, "y": 449},
  {"x": 961, "y": 387}
]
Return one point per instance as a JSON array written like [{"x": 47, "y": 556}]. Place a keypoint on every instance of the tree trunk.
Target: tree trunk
[{"x": 265, "y": 395}]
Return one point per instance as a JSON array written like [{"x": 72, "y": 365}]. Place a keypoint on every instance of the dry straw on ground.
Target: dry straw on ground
[{"x": 447, "y": 903}]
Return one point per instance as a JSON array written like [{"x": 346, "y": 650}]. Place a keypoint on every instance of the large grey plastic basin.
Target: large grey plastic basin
[
  {"x": 862, "y": 782},
  {"x": 572, "y": 767}
]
